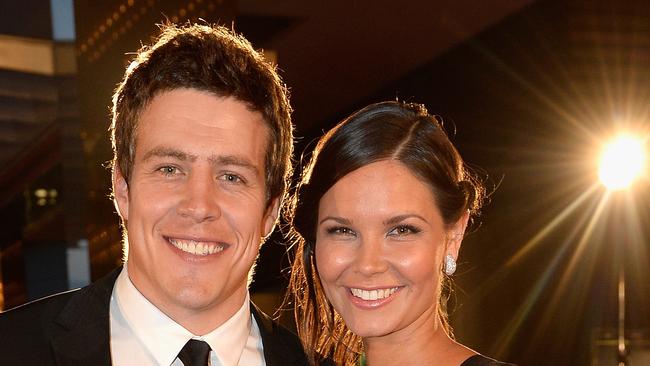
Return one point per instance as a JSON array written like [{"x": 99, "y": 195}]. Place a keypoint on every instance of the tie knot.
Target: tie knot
[{"x": 195, "y": 353}]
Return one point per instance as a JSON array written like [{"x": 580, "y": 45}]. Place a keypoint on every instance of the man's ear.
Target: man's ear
[
  {"x": 456, "y": 234},
  {"x": 120, "y": 193},
  {"x": 271, "y": 217}
]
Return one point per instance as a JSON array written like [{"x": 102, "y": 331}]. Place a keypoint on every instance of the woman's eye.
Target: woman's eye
[
  {"x": 340, "y": 230},
  {"x": 403, "y": 230}
]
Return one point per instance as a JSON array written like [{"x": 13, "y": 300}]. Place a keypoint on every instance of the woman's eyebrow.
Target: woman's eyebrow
[
  {"x": 399, "y": 218},
  {"x": 340, "y": 220}
]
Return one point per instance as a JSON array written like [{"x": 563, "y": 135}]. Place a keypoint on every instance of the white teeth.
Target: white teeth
[
  {"x": 196, "y": 248},
  {"x": 373, "y": 294}
]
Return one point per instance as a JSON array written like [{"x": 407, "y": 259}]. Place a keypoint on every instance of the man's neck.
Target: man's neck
[
  {"x": 203, "y": 321},
  {"x": 199, "y": 320}
]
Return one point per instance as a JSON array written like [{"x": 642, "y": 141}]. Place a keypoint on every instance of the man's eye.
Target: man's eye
[
  {"x": 168, "y": 170},
  {"x": 232, "y": 178},
  {"x": 403, "y": 230}
]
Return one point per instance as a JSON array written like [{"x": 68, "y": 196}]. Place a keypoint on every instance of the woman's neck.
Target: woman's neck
[{"x": 424, "y": 342}]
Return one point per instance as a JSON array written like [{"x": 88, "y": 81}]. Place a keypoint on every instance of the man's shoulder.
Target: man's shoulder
[
  {"x": 43, "y": 306},
  {"x": 281, "y": 346},
  {"x": 27, "y": 329},
  {"x": 32, "y": 327},
  {"x": 35, "y": 313},
  {"x": 34, "y": 317},
  {"x": 48, "y": 308}
]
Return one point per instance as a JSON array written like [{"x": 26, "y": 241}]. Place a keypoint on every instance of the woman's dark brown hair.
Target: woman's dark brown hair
[{"x": 404, "y": 132}]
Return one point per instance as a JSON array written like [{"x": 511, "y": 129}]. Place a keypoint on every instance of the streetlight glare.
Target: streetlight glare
[{"x": 622, "y": 161}]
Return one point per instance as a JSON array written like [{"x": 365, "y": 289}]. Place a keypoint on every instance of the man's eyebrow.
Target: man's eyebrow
[
  {"x": 236, "y": 161},
  {"x": 163, "y": 151},
  {"x": 340, "y": 220}
]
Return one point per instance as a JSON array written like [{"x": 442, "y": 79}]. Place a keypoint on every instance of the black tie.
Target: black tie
[{"x": 195, "y": 353}]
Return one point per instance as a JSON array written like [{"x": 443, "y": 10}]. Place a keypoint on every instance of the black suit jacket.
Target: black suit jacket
[{"x": 72, "y": 328}]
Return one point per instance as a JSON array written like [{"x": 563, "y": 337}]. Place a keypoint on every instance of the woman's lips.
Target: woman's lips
[
  {"x": 376, "y": 294},
  {"x": 374, "y": 298}
]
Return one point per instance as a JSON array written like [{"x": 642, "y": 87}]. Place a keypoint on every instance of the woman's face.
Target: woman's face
[{"x": 379, "y": 247}]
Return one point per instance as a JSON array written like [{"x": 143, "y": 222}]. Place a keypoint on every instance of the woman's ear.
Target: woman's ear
[
  {"x": 120, "y": 193},
  {"x": 456, "y": 234}
]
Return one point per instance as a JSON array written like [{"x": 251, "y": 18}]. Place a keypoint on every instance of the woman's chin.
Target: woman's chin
[{"x": 370, "y": 330}]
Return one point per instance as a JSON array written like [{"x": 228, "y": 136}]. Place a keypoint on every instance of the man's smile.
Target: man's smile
[{"x": 197, "y": 247}]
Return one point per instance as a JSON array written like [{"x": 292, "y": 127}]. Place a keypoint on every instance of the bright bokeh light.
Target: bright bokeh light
[{"x": 622, "y": 161}]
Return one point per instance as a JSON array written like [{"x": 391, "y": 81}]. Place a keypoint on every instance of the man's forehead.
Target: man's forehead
[{"x": 231, "y": 145}]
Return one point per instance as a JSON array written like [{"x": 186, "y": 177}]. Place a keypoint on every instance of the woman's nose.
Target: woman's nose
[{"x": 370, "y": 258}]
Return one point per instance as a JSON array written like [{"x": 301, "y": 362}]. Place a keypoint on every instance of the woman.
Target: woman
[{"x": 378, "y": 219}]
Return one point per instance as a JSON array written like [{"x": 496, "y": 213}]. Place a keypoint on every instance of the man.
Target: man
[{"x": 202, "y": 143}]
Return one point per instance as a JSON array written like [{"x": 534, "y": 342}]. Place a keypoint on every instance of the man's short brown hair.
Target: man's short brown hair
[{"x": 213, "y": 59}]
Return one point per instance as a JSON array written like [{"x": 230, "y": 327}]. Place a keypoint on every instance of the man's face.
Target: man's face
[{"x": 195, "y": 205}]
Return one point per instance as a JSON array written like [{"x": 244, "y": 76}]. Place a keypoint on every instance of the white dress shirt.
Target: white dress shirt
[{"x": 143, "y": 335}]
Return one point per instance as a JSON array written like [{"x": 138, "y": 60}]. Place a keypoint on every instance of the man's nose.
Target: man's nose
[{"x": 201, "y": 198}]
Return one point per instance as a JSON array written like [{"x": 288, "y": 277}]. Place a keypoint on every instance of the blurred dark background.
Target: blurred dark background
[{"x": 528, "y": 91}]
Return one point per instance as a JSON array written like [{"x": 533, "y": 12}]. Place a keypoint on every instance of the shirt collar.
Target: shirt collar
[
  {"x": 229, "y": 339},
  {"x": 165, "y": 338}
]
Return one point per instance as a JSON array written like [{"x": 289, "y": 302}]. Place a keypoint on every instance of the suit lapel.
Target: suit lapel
[
  {"x": 83, "y": 333},
  {"x": 281, "y": 348},
  {"x": 84, "y": 336}
]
